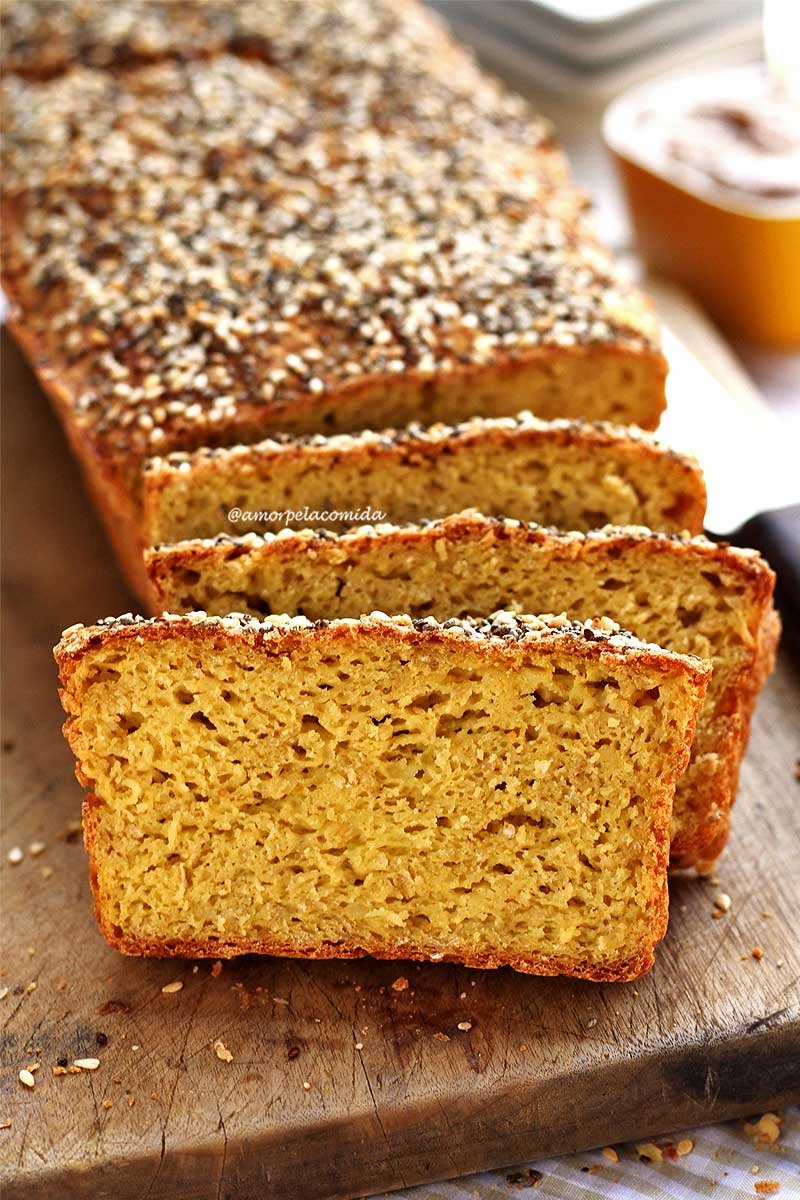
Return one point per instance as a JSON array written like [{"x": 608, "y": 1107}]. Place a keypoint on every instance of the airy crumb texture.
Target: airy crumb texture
[
  {"x": 324, "y": 219},
  {"x": 689, "y": 594},
  {"x": 489, "y": 792},
  {"x": 571, "y": 474}
]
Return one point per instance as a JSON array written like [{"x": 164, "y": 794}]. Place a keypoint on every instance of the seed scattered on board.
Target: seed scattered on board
[
  {"x": 169, "y": 988},
  {"x": 222, "y": 1052}
]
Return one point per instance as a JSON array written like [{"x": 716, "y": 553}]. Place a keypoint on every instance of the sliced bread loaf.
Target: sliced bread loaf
[
  {"x": 488, "y": 792},
  {"x": 572, "y": 474},
  {"x": 688, "y": 594}
]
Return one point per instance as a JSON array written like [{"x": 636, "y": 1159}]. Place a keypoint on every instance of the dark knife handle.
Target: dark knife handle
[{"x": 776, "y": 535}]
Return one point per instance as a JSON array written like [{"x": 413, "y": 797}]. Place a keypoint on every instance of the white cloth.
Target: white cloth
[{"x": 720, "y": 1166}]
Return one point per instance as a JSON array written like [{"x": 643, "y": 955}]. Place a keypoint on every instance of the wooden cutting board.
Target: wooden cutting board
[{"x": 399, "y": 1093}]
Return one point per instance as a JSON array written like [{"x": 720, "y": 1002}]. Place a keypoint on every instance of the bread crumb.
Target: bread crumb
[
  {"x": 464, "y": 1025},
  {"x": 529, "y": 1178},
  {"x": 400, "y": 984},
  {"x": 216, "y": 970},
  {"x": 685, "y": 1146},
  {"x": 650, "y": 1152},
  {"x": 610, "y": 1153},
  {"x": 15, "y": 855},
  {"x": 306, "y": 1086},
  {"x": 766, "y": 1129},
  {"x": 5, "y": 1124},
  {"x": 222, "y": 1052},
  {"x": 36, "y": 848},
  {"x": 767, "y": 1187},
  {"x": 108, "y": 1104},
  {"x": 722, "y": 901},
  {"x": 169, "y": 988},
  {"x": 757, "y": 952},
  {"x": 359, "y": 1045}
]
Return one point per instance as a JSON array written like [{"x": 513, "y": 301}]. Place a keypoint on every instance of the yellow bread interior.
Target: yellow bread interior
[
  {"x": 689, "y": 595},
  {"x": 573, "y": 475},
  {"x": 494, "y": 793}
]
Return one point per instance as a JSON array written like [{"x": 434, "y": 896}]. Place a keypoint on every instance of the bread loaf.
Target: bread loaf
[
  {"x": 352, "y": 228},
  {"x": 487, "y": 792},
  {"x": 688, "y": 594}
]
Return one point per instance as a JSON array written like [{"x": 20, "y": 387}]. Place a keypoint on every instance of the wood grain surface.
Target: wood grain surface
[{"x": 398, "y": 1092}]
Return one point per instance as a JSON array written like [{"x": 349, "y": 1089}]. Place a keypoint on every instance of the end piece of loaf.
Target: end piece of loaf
[
  {"x": 689, "y": 594},
  {"x": 353, "y": 228},
  {"x": 488, "y": 792},
  {"x": 570, "y": 474}
]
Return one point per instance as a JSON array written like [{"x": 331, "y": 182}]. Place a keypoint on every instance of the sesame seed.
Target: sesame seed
[
  {"x": 169, "y": 988},
  {"x": 27, "y": 1078},
  {"x": 192, "y": 297},
  {"x": 15, "y": 855},
  {"x": 86, "y": 1064}
]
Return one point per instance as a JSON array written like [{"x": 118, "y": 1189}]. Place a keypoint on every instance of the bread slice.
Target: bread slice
[
  {"x": 689, "y": 594},
  {"x": 491, "y": 792},
  {"x": 570, "y": 474},
  {"x": 353, "y": 229}
]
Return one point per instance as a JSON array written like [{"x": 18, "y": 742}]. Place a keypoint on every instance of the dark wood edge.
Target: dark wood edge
[{"x": 368, "y": 1154}]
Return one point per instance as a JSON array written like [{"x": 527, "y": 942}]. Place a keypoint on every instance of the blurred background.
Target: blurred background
[{"x": 734, "y": 250}]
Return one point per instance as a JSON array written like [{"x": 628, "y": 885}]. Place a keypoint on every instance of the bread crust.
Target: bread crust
[
  {"x": 707, "y": 831},
  {"x": 448, "y": 368},
  {"x": 282, "y": 637}
]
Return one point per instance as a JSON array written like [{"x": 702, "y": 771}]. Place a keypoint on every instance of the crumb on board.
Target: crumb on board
[
  {"x": 222, "y": 1052},
  {"x": 767, "y": 1187},
  {"x": 5, "y": 1124},
  {"x": 15, "y": 855},
  {"x": 465, "y": 1026},
  {"x": 306, "y": 1086},
  {"x": 216, "y": 970},
  {"x": 649, "y": 1152},
  {"x": 400, "y": 984},
  {"x": 610, "y": 1153},
  {"x": 757, "y": 952},
  {"x": 685, "y": 1146}
]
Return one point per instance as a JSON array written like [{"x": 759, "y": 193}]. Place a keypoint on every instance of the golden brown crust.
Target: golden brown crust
[
  {"x": 515, "y": 305},
  {"x": 506, "y": 636}
]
